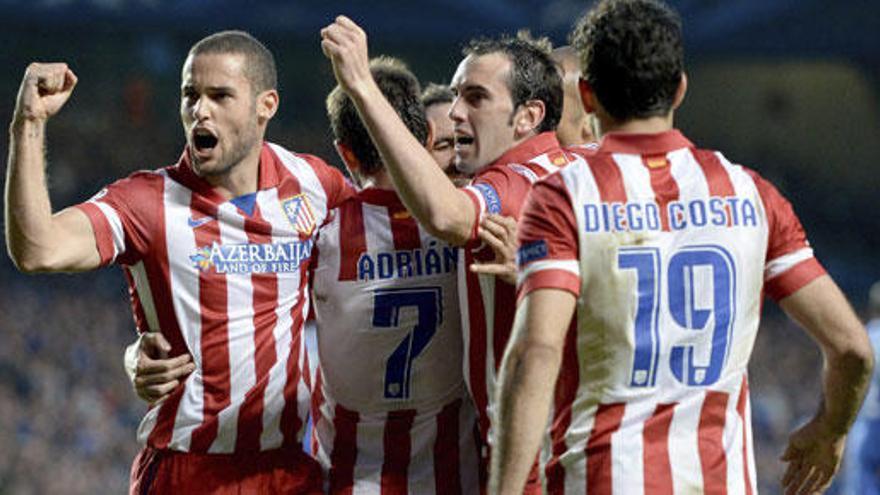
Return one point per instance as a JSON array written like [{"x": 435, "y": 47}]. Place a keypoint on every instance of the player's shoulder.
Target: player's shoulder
[
  {"x": 290, "y": 157},
  {"x": 304, "y": 166},
  {"x": 144, "y": 178},
  {"x": 737, "y": 171},
  {"x": 140, "y": 190}
]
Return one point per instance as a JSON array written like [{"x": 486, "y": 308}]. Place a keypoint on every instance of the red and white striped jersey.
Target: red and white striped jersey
[
  {"x": 224, "y": 281},
  {"x": 669, "y": 249},
  {"x": 390, "y": 410},
  {"x": 486, "y": 300}
]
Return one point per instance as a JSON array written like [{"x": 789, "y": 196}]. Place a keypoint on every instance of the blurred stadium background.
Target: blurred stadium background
[{"x": 789, "y": 87}]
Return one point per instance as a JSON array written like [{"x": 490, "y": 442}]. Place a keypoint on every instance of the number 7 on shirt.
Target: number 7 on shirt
[{"x": 387, "y": 305}]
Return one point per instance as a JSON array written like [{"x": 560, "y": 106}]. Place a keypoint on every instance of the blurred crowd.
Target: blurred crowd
[{"x": 67, "y": 413}]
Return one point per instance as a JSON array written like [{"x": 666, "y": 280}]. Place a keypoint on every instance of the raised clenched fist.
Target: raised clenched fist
[
  {"x": 44, "y": 90},
  {"x": 345, "y": 44}
]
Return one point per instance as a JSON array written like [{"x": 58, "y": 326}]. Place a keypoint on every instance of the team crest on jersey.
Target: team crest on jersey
[{"x": 300, "y": 213}]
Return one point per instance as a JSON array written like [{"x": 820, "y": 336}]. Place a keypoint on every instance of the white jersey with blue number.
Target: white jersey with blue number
[
  {"x": 390, "y": 406},
  {"x": 669, "y": 249}
]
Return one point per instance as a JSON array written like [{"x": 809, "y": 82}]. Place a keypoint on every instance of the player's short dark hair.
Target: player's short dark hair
[
  {"x": 632, "y": 56},
  {"x": 259, "y": 62},
  {"x": 437, "y": 93},
  {"x": 533, "y": 74},
  {"x": 402, "y": 90}
]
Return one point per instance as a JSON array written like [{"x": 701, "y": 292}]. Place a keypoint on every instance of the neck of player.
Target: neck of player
[
  {"x": 650, "y": 125},
  {"x": 241, "y": 179}
]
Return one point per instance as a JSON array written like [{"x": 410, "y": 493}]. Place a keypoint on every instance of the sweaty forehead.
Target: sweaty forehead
[{"x": 490, "y": 71}]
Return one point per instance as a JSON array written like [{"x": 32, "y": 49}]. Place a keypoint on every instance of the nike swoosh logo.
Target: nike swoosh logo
[{"x": 198, "y": 222}]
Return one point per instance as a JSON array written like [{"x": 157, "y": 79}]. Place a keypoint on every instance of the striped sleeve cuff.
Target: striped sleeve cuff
[
  {"x": 563, "y": 275},
  {"x": 477, "y": 201},
  {"x": 105, "y": 237},
  {"x": 788, "y": 282}
]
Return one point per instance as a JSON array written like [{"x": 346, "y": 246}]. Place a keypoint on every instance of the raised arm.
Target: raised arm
[
  {"x": 423, "y": 187},
  {"x": 814, "y": 450},
  {"x": 37, "y": 240}
]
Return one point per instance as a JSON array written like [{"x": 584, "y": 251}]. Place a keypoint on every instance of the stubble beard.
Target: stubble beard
[{"x": 238, "y": 151}]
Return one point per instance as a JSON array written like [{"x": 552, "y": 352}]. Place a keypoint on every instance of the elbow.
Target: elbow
[
  {"x": 542, "y": 354},
  {"x": 30, "y": 263},
  {"x": 30, "y": 266},
  {"x": 856, "y": 360},
  {"x": 865, "y": 359},
  {"x": 447, "y": 227}
]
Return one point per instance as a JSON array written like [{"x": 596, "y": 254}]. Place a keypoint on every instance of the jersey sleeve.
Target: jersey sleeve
[
  {"x": 790, "y": 263},
  {"x": 500, "y": 192},
  {"x": 548, "y": 240},
  {"x": 336, "y": 186},
  {"x": 123, "y": 215}
]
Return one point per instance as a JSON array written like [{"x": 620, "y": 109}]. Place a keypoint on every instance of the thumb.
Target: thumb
[
  {"x": 155, "y": 345},
  {"x": 789, "y": 454}
]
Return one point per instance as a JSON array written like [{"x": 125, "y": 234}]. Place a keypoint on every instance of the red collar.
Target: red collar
[
  {"x": 644, "y": 144},
  {"x": 529, "y": 149}
]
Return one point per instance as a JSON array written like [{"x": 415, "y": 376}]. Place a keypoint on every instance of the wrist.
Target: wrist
[
  {"x": 24, "y": 127},
  {"x": 829, "y": 428},
  {"x": 365, "y": 91}
]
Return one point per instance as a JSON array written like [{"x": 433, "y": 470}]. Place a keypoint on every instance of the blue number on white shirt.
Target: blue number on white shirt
[
  {"x": 687, "y": 271},
  {"x": 646, "y": 263},
  {"x": 386, "y": 312},
  {"x": 683, "y": 307}
]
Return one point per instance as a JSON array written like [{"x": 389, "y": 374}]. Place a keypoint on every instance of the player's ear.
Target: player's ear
[
  {"x": 528, "y": 117},
  {"x": 429, "y": 141},
  {"x": 588, "y": 97},
  {"x": 267, "y": 105},
  {"x": 680, "y": 91}
]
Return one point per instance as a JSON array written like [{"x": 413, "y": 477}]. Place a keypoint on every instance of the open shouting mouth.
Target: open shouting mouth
[{"x": 203, "y": 141}]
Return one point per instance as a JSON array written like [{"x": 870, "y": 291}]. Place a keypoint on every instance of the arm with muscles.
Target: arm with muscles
[
  {"x": 498, "y": 232},
  {"x": 528, "y": 372},
  {"x": 151, "y": 372},
  {"x": 427, "y": 192},
  {"x": 39, "y": 241},
  {"x": 814, "y": 450}
]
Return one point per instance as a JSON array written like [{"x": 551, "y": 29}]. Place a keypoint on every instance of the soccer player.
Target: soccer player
[
  {"x": 216, "y": 249},
  {"x": 391, "y": 410},
  {"x": 575, "y": 124},
  {"x": 643, "y": 267},
  {"x": 861, "y": 467},
  {"x": 507, "y": 105}
]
